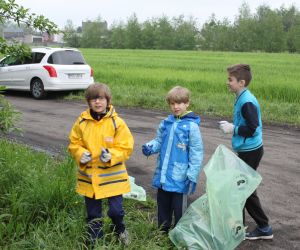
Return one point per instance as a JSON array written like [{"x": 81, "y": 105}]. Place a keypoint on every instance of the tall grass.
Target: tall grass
[
  {"x": 141, "y": 78},
  {"x": 40, "y": 210}
]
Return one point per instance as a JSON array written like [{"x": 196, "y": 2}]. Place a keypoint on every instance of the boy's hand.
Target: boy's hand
[
  {"x": 147, "y": 149},
  {"x": 226, "y": 127},
  {"x": 105, "y": 155},
  {"x": 192, "y": 187},
  {"x": 86, "y": 157}
]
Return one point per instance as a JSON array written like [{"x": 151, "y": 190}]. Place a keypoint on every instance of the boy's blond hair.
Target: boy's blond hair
[
  {"x": 178, "y": 94},
  {"x": 98, "y": 89}
]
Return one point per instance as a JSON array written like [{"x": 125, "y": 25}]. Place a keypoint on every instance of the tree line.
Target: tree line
[{"x": 268, "y": 30}]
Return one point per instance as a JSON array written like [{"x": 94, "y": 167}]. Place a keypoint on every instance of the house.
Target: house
[
  {"x": 13, "y": 33},
  {"x": 29, "y": 38}
]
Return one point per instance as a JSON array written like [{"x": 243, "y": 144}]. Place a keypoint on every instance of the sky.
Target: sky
[{"x": 59, "y": 11}]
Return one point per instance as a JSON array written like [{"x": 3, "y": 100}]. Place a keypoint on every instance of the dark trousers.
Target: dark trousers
[
  {"x": 253, "y": 206},
  {"x": 94, "y": 215},
  {"x": 167, "y": 204}
]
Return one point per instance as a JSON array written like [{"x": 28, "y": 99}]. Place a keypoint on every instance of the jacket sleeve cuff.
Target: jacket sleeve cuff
[{"x": 236, "y": 130}]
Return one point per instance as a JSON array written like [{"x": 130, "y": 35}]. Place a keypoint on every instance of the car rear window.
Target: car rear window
[{"x": 66, "y": 57}]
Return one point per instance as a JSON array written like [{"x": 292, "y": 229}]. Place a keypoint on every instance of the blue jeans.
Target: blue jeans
[{"x": 94, "y": 215}]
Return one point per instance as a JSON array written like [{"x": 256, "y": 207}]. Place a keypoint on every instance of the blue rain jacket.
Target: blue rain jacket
[{"x": 180, "y": 148}]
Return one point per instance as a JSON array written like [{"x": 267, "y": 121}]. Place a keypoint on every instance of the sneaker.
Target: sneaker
[
  {"x": 258, "y": 234},
  {"x": 124, "y": 238}
]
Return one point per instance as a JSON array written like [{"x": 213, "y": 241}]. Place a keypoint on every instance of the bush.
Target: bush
[{"x": 8, "y": 116}]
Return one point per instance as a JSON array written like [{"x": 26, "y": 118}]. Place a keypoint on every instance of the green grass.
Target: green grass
[
  {"x": 39, "y": 208},
  {"x": 141, "y": 78}
]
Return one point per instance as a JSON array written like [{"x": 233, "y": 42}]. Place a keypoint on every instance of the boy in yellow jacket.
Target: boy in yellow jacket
[{"x": 100, "y": 143}]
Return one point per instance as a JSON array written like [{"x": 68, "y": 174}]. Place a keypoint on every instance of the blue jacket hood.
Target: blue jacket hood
[{"x": 190, "y": 116}]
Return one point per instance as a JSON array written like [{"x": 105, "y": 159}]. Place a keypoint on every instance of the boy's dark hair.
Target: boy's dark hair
[
  {"x": 96, "y": 90},
  {"x": 240, "y": 72},
  {"x": 178, "y": 94}
]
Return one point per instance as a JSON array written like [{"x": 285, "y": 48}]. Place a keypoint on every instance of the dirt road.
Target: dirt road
[{"x": 46, "y": 125}]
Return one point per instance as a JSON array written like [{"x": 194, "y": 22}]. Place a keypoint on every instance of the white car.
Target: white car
[{"x": 48, "y": 69}]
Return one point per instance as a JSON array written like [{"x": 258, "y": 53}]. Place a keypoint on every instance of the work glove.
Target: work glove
[
  {"x": 147, "y": 149},
  {"x": 191, "y": 187},
  {"x": 86, "y": 157},
  {"x": 226, "y": 127},
  {"x": 105, "y": 155}
]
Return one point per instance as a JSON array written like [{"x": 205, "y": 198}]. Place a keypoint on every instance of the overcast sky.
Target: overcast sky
[{"x": 59, "y": 11}]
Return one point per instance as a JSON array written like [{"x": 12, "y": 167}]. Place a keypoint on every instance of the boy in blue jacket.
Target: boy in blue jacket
[
  {"x": 247, "y": 140},
  {"x": 180, "y": 153}
]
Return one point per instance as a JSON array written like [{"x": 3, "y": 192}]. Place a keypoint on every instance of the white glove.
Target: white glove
[
  {"x": 226, "y": 127},
  {"x": 105, "y": 155},
  {"x": 86, "y": 157}
]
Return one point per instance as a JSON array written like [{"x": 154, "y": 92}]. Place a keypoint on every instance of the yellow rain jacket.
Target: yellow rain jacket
[{"x": 96, "y": 178}]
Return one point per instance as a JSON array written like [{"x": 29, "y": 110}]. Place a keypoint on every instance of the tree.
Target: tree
[
  {"x": 245, "y": 30},
  {"x": 133, "y": 33},
  {"x": 71, "y": 36},
  {"x": 270, "y": 33},
  {"x": 185, "y": 33},
  {"x": 10, "y": 11},
  {"x": 117, "y": 36},
  {"x": 207, "y": 33},
  {"x": 294, "y": 37},
  {"x": 147, "y": 37},
  {"x": 289, "y": 16},
  {"x": 164, "y": 34},
  {"x": 291, "y": 22},
  {"x": 94, "y": 34},
  {"x": 216, "y": 35}
]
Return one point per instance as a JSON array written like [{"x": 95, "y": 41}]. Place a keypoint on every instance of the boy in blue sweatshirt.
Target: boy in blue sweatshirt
[
  {"x": 180, "y": 153},
  {"x": 247, "y": 140}
]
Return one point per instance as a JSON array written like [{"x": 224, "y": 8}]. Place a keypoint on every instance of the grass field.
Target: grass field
[
  {"x": 39, "y": 208},
  {"x": 141, "y": 78}
]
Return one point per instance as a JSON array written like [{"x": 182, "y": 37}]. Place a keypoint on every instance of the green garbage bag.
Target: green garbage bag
[
  {"x": 215, "y": 220},
  {"x": 137, "y": 192}
]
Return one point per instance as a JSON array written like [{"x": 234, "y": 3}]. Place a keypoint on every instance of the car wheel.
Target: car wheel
[{"x": 37, "y": 89}]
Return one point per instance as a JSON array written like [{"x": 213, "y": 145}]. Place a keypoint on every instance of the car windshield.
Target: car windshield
[{"x": 66, "y": 57}]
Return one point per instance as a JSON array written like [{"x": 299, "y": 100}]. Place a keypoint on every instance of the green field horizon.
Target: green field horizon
[{"x": 141, "y": 78}]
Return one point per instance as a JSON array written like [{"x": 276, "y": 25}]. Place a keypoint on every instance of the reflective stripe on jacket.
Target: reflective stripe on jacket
[{"x": 97, "y": 178}]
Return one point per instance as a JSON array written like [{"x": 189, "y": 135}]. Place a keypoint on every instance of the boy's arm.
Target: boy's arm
[
  {"x": 123, "y": 144},
  {"x": 76, "y": 146},
  {"x": 250, "y": 114},
  {"x": 155, "y": 144},
  {"x": 195, "y": 153}
]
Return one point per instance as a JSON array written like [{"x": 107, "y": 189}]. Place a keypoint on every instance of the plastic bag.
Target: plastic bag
[
  {"x": 137, "y": 192},
  {"x": 215, "y": 220}
]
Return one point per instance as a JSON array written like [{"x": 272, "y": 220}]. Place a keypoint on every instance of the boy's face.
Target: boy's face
[
  {"x": 234, "y": 85},
  {"x": 98, "y": 104},
  {"x": 179, "y": 108}
]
